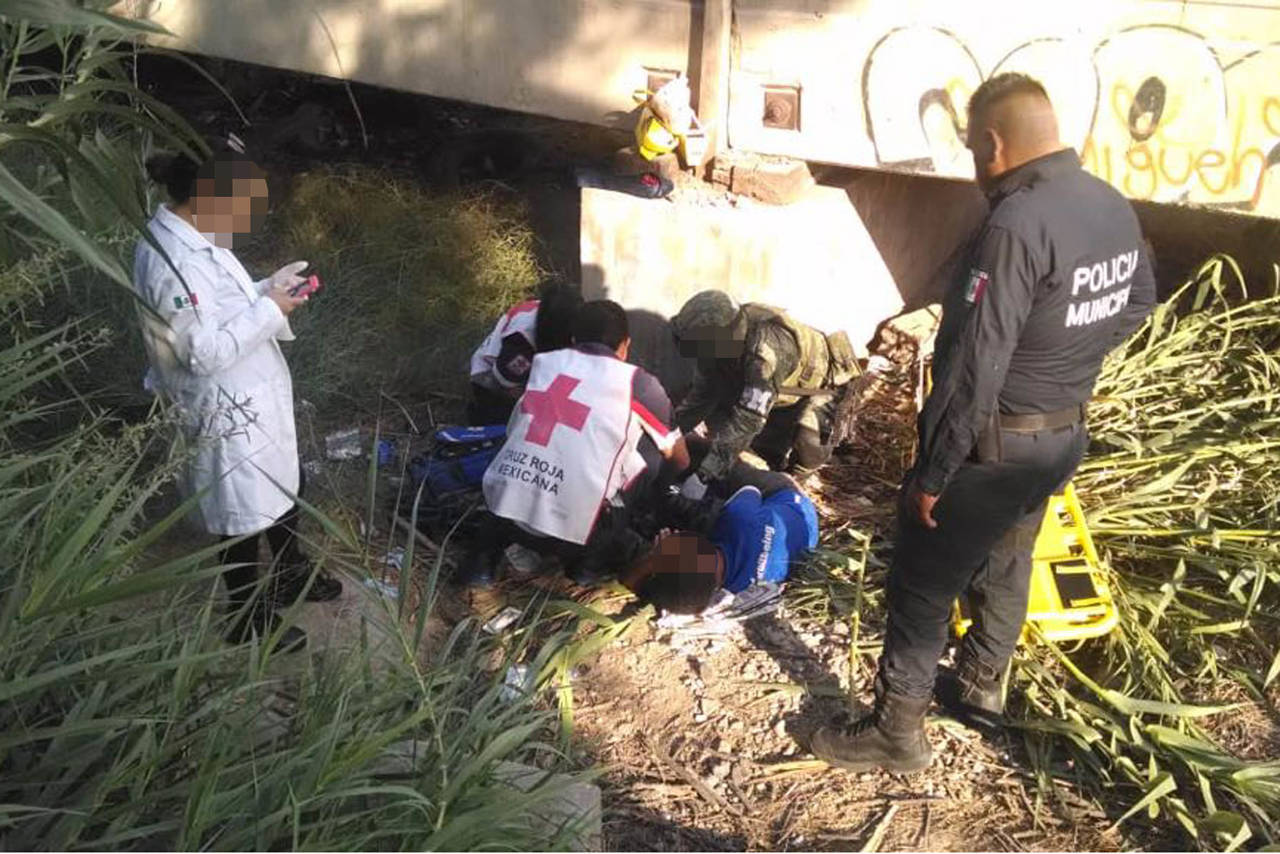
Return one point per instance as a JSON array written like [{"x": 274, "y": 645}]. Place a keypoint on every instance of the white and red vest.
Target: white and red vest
[
  {"x": 570, "y": 447},
  {"x": 520, "y": 319}
]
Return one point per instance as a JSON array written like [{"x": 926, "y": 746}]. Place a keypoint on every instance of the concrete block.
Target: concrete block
[
  {"x": 772, "y": 180},
  {"x": 814, "y": 258}
]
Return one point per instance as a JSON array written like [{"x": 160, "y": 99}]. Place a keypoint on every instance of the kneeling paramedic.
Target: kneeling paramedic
[
  {"x": 500, "y": 365},
  {"x": 585, "y": 446},
  {"x": 1057, "y": 277},
  {"x": 752, "y": 538},
  {"x": 764, "y": 381}
]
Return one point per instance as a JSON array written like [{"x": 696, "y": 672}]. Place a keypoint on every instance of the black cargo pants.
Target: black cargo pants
[
  {"x": 798, "y": 437},
  {"x": 988, "y": 517}
]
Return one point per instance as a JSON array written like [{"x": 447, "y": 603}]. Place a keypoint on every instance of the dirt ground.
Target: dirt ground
[{"x": 702, "y": 741}]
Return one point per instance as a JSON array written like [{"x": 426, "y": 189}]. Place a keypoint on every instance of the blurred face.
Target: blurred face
[
  {"x": 710, "y": 343},
  {"x": 227, "y": 217},
  {"x": 678, "y": 554}
]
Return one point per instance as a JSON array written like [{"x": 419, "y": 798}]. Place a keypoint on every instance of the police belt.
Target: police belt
[{"x": 1036, "y": 421}]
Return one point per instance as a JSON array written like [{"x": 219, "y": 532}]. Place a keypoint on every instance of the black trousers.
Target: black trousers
[
  {"x": 282, "y": 540},
  {"x": 988, "y": 518},
  {"x": 802, "y": 431},
  {"x": 488, "y": 406}
]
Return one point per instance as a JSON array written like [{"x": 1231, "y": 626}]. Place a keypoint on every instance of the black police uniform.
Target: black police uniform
[{"x": 1057, "y": 277}]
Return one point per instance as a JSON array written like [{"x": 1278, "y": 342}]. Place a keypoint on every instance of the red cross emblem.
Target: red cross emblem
[{"x": 551, "y": 407}]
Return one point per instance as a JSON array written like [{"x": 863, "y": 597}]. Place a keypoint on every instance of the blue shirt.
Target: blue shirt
[{"x": 761, "y": 536}]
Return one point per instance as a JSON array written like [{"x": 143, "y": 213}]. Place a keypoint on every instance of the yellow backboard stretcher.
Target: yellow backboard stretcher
[{"x": 1069, "y": 597}]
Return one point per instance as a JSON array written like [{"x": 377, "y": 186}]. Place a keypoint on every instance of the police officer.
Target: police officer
[
  {"x": 763, "y": 381},
  {"x": 1057, "y": 276}
]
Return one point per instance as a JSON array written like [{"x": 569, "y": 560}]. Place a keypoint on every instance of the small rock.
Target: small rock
[
  {"x": 721, "y": 770},
  {"x": 780, "y": 728},
  {"x": 699, "y": 718},
  {"x": 840, "y": 629}
]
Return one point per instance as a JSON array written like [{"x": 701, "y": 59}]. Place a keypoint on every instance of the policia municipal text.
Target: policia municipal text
[{"x": 1056, "y": 277}]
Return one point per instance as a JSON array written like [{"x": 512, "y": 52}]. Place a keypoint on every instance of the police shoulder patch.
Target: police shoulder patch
[{"x": 976, "y": 286}]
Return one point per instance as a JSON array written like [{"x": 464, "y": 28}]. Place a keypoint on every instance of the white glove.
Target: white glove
[
  {"x": 878, "y": 365},
  {"x": 693, "y": 488},
  {"x": 286, "y": 277}
]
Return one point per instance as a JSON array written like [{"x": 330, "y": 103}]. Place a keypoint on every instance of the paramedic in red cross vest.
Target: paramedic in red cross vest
[
  {"x": 500, "y": 365},
  {"x": 1056, "y": 277},
  {"x": 584, "y": 447}
]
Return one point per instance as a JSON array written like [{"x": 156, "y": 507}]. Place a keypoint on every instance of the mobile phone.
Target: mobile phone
[{"x": 307, "y": 288}]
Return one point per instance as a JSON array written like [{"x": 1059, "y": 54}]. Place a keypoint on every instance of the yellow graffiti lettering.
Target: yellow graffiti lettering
[
  {"x": 1209, "y": 160},
  {"x": 1177, "y": 181},
  {"x": 1271, "y": 115},
  {"x": 1140, "y": 160}
]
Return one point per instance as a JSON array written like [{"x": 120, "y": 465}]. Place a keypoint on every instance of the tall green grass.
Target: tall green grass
[
  {"x": 413, "y": 282},
  {"x": 1180, "y": 490},
  {"x": 125, "y": 721},
  {"x": 1180, "y": 487}
]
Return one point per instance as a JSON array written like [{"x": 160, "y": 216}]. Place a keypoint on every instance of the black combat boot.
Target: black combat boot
[
  {"x": 479, "y": 567},
  {"x": 260, "y": 621},
  {"x": 891, "y": 737},
  {"x": 979, "y": 693},
  {"x": 289, "y": 580}
]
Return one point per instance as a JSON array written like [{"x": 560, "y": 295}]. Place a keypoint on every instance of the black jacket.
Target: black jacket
[{"x": 1056, "y": 277}]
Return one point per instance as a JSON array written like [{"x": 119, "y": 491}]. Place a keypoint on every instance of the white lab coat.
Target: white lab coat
[{"x": 213, "y": 352}]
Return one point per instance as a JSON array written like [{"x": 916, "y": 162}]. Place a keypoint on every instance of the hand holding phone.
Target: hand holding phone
[{"x": 307, "y": 288}]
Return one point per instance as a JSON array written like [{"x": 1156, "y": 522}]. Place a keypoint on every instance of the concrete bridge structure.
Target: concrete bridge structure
[{"x": 1175, "y": 102}]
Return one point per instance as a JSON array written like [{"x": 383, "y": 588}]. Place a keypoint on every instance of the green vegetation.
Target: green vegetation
[
  {"x": 1181, "y": 490},
  {"x": 1180, "y": 487},
  {"x": 413, "y": 280},
  {"x": 126, "y": 722}
]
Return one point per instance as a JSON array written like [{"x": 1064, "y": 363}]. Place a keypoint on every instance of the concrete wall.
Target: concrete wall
[
  {"x": 1169, "y": 100},
  {"x": 813, "y": 257}
]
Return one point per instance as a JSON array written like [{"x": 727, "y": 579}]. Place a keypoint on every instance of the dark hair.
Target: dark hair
[
  {"x": 1002, "y": 86},
  {"x": 601, "y": 322},
  {"x": 674, "y": 576},
  {"x": 179, "y": 173},
  {"x": 558, "y": 307}
]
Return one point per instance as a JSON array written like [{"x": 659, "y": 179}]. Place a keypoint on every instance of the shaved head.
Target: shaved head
[{"x": 1011, "y": 121}]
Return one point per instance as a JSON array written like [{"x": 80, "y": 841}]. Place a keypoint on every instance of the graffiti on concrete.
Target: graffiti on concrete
[{"x": 1151, "y": 109}]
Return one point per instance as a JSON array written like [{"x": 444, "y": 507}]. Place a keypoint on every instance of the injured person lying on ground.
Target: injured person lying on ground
[
  {"x": 743, "y": 546},
  {"x": 587, "y": 446}
]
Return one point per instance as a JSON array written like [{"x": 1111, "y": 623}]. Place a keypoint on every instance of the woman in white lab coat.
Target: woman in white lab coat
[{"x": 211, "y": 334}]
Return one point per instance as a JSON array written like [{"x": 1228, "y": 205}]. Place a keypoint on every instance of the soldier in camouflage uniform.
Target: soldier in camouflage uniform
[{"x": 764, "y": 382}]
